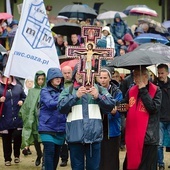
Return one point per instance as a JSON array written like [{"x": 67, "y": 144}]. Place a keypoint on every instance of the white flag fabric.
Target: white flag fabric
[{"x": 33, "y": 48}]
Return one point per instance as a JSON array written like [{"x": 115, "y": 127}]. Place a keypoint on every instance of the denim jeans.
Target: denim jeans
[
  {"x": 80, "y": 152},
  {"x": 163, "y": 126},
  {"x": 51, "y": 155}
]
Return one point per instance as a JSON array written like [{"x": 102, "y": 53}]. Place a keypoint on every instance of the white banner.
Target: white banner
[{"x": 33, "y": 48}]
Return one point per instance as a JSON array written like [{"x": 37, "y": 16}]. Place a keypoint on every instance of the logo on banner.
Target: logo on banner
[{"x": 36, "y": 29}]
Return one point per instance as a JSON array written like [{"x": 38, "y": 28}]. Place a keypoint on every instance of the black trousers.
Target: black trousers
[
  {"x": 149, "y": 158},
  {"x": 64, "y": 153},
  {"x": 37, "y": 146},
  {"x": 123, "y": 122},
  {"x": 110, "y": 153},
  {"x": 15, "y": 135}
]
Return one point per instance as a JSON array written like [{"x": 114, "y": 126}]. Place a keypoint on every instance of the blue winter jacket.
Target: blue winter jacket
[
  {"x": 84, "y": 122},
  {"x": 50, "y": 119},
  {"x": 10, "y": 118},
  {"x": 114, "y": 121},
  {"x": 118, "y": 29}
]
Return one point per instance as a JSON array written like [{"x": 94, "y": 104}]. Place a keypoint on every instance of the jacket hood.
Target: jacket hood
[
  {"x": 106, "y": 28},
  {"x": 14, "y": 82},
  {"x": 39, "y": 73},
  {"x": 53, "y": 73},
  {"x": 128, "y": 37},
  {"x": 117, "y": 15}
]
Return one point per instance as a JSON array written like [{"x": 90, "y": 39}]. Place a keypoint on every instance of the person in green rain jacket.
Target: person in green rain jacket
[{"x": 29, "y": 113}]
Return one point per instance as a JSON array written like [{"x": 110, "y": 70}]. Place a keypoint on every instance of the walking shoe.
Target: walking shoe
[
  {"x": 38, "y": 161},
  {"x": 169, "y": 166},
  {"x": 25, "y": 151},
  {"x": 28, "y": 151},
  {"x": 43, "y": 167},
  {"x": 122, "y": 148},
  {"x": 63, "y": 163},
  {"x": 161, "y": 168},
  {"x": 8, "y": 163},
  {"x": 16, "y": 160}
]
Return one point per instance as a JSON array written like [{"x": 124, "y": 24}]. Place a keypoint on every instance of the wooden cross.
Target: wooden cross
[{"x": 89, "y": 56}]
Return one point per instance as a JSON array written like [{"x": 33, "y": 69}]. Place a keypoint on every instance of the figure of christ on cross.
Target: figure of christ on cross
[{"x": 90, "y": 57}]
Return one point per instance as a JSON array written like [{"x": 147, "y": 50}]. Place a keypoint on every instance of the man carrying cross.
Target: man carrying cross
[{"x": 84, "y": 124}]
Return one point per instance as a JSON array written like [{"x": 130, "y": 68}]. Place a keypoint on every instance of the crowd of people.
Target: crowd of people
[{"x": 88, "y": 125}]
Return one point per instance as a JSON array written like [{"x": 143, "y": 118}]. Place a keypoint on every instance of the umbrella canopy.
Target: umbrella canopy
[
  {"x": 2, "y": 49},
  {"x": 66, "y": 28},
  {"x": 127, "y": 10},
  {"x": 143, "y": 11},
  {"x": 155, "y": 47},
  {"x": 78, "y": 11},
  {"x": 110, "y": 15},
  {"x": 149, "y": 37},
  {"x": 166, "y": 24},
  {"x": 70, "y": 63},
  {"x": 153, "y": 24},
  {"x": 139, "y": 57},
  {"x": 4, "y": 15}
]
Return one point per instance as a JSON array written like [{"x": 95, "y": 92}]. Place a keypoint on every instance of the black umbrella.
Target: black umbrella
[
  {"x": 77, "y": 11},
  {"x": 67, "y": 28},
  {"x": 159, "y": 48},
  {"x": 139, "y": 57},
  {"x": 2, "y": 49}
]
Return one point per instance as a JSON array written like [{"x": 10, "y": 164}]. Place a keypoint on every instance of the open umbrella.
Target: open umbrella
[
  {"x": 77, "y": 11},
  {"x": 70, "y": 63},
  {"x": 127, "y": 10},
  {"x": 156, "y": 48},
  {"x": 67, "y": 28},
  {"x": 143, "y": 11},
  {"x": 110, "y": 15},
  {"x": 153, "y": 24},
  {"x": 149, "y": 37},
  {"x": 4, "y": 15},
  {"x": 139, "y": 57},
  {"x": 166, "y": 24}
]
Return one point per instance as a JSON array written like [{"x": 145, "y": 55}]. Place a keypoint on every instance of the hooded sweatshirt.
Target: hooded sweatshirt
[{"x": 132, "y": 44}]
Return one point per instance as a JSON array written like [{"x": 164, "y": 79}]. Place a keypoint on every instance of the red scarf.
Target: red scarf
[{"x": 136, "y": 126}]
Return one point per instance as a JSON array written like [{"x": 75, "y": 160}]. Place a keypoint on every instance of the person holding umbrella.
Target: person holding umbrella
[{"x": 142, "y": 122}]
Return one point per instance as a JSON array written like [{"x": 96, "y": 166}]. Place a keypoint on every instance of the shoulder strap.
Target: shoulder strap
[
  {"x": 71, "y": 89},
  {"x": 100, "y": 89}
]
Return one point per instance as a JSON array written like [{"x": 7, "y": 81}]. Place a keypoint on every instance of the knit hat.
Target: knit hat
[
  {"x": 110, "y": 71},
  {"x": 123, "y": 47}
]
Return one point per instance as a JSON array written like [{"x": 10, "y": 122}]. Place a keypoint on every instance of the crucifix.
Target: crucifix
[{"x": 90, "y": 56}]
